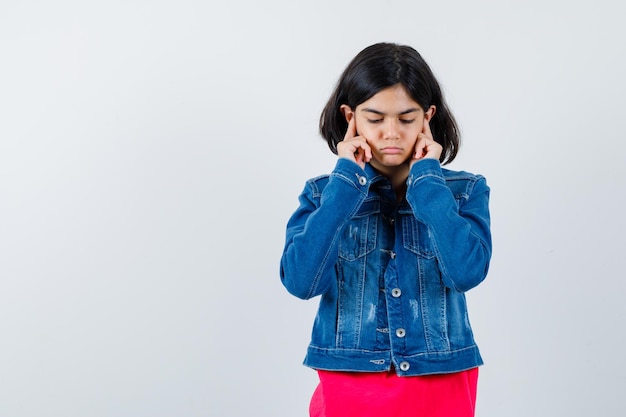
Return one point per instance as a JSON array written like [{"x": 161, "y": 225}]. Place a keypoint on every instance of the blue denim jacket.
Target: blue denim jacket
[{"x": 391, "y": 275}]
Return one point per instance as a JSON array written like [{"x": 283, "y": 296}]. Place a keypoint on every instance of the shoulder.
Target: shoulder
[
  {"x": 451, "y": 175},
  {"x": 317, "y": 184},
  {"x": 463, "y": 183}
]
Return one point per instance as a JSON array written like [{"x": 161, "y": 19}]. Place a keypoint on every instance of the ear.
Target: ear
[
  {"x": 428, "y": 114},
  {"x": 347, "y": 112}
]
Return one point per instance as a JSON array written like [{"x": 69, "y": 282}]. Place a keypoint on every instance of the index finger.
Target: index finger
[
  {"x": 426, "y": 129},
  {"x": 351, "y": 132}
]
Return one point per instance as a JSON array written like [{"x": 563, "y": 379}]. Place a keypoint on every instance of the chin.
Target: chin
[
  {"x": 392, "y": 163},
  {"x": 397, "y": 160}
]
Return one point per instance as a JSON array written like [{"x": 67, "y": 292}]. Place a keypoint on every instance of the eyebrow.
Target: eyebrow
[{"x": 380, "y": 113}]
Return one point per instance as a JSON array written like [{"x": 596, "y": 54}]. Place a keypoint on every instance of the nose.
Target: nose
[{"x": 391, "y": 129}]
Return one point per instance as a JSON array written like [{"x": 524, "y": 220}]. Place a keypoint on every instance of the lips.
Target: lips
[{"x": 391, "y": 150}]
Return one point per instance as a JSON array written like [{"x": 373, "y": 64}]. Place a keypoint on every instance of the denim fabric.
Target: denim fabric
[{"x": 391, "y": 275}]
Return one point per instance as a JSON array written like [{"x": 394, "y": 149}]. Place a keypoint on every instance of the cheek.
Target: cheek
[
  {"x": 419, "y": 127},
  {"x": 411, "y": 143},
  {"x": 363, "y": 128},
  {"x": 412, "y": 131}
]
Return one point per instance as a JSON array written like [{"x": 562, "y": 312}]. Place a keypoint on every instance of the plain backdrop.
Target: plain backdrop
[{"x": 151, "y": 153}]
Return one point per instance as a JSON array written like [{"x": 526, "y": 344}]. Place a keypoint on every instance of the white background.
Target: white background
[{"x": 151, "y": 153}]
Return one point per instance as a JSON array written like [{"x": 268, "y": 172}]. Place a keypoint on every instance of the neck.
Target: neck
[{"x": 397, "y": 175}]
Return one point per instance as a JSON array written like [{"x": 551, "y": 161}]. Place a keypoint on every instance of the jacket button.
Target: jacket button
[
  {"x": 396, "y": 292},
  {"x": 400, "y": 332},
  {"x": 362, "y": 180},
  {"x": 404, "y": 366}
]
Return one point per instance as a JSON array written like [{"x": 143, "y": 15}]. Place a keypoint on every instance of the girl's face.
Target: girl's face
[{"x": 390, "y": 122}]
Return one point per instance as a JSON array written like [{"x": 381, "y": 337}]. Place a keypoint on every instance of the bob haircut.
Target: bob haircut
[{"x": 384, "y": 65}]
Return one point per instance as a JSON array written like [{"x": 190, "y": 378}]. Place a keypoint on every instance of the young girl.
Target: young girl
[{"x": 391, "y": 241}]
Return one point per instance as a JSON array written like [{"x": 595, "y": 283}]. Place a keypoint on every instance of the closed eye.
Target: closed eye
[
  {"x": 374, "y": 120},
  {"x": 407, "y": 121}
]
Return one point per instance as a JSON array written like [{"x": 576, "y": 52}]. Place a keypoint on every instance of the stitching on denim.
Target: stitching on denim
[
  {"x": 334, "y": 243},
  {"x": 441, "y": 352},
  {"x": 349, "y": 181},
  {"x": 411, "y": 234},
  {"x": 314, "y": 183},
  {"x": 363, "y": 271},
  {"x": 425, "y": 325},
  {"x": 444, "y": 319},
  {"x": 378, "y": 352},
  {"x": 347, "y": 350},
  {"x": 339, "y": 335},
  {"x": 424, "y": 176},
  {"x": 459, "y": 175},
  {"x": 316, "y": 191},
  {"x": 444, "y": 270},
  {"x": 318, "y": 275},
  {"x": 367, "y": 243}
]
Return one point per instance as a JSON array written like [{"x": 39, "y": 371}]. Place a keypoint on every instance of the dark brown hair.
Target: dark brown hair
[{"x": 384, "y": 65}]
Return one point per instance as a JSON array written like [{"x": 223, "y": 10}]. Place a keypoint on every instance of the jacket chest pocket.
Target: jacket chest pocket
[
  {"x": 358, "y": 237},
  {"x": 416, "y": 236}
]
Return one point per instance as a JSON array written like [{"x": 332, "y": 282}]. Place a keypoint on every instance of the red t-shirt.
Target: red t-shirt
[{"x": 384, "y": 394}]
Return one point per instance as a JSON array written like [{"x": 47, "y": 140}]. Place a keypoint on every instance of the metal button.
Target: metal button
[
  {"x": 396, "y": 292},
  {"x": 404, "y": 366},
  {"x": 362, "y": 180},
  {"x": 400, "y": 332}
]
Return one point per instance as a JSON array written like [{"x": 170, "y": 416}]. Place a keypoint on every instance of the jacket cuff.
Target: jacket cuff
[
  {"x": 350, "y": 172},
  {"x": 426, "y": 168}
]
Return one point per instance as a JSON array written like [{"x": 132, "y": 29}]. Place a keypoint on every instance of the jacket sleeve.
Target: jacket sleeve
[
  {"x": 460, "y": 232},
  {"x": 311, "y": 247}
]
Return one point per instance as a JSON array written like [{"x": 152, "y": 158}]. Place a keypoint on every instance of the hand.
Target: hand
[
  {"x": 354, "y": 147},
  {"x": 426, "y": 146}
]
